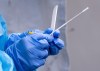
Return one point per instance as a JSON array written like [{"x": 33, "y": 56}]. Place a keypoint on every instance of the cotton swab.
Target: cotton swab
[
  {"x": 54, "y": 16},
  {"x": 71, "y": 19}
]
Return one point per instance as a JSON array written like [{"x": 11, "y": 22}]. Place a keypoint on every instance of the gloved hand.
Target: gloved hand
[
  {"x": 31, "y": 51},
  {"x": 14, "y": 37},
  {"x": 17, "y": 36},
  {"x": 57, "y": 44}
]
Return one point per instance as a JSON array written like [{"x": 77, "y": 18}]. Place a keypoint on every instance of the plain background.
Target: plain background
[{"x": 83, "y": 35}]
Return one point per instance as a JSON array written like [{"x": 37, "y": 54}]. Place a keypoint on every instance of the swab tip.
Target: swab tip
[{"x": 85, "y": 9}]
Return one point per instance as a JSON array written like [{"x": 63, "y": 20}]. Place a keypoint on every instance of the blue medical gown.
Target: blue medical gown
[{"x": 6, "y": 63}]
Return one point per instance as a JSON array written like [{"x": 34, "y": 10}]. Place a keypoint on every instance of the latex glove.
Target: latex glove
[
  {"x": 30, "y": 52},
  {"x": 57, "y": 44}
]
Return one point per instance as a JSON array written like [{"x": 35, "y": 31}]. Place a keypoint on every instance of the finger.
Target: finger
[
  {"x": 48, "y": 31},
  {"x": 44, "y": 44},
  {"x": 29, "y": 32},
  {"x": 38, "y": 53},
  {"x": 43, "y": 54},
  {"x": 40, "y": 36},
  {"x": 48, "y": 37},
  {"x": 38, "y": 31},
  {"x": 24, "y": 34},
  {"x": 39, "y": 63},
  {"x": 53, "y": 50},
  {"x": 56, "y": 34},
  {"x": 59, "y": 43}
]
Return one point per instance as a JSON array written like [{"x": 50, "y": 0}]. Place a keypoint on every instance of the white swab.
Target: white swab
[
  {"x": 54, "y": 16},
  {"x": 71, "y": 19}
]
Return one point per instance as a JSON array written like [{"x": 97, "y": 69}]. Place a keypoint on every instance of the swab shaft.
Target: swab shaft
[
  {"x": 54, "y": 15},
  {"x": 72, "y": 18}
]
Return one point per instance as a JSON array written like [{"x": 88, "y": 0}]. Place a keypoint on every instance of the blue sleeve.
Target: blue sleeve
[
  {"x": 3, "y": 33},
  {"x": 6, "y": 63}
]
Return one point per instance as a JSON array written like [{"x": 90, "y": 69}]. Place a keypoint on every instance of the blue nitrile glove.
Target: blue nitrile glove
[
  {"x": 14, "y": 37},
  {"x": 57, "y": 44},
  {"x": 30, "y": 52},
  {"x": 17, "y": 36}
]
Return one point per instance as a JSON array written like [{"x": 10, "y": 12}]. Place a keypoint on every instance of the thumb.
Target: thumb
[
  {"x": 41, "y": 36},
  {"x": 48, "y": 31}
]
